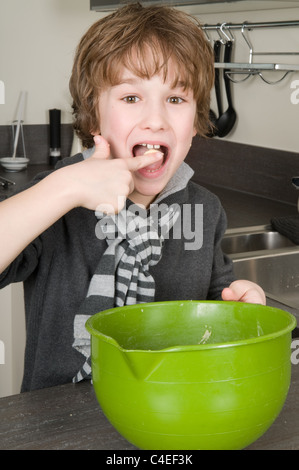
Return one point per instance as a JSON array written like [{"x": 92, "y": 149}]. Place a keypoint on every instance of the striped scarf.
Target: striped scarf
[
  {"x": 134, "y": 243},
  {"x": 122, "y": 276}
]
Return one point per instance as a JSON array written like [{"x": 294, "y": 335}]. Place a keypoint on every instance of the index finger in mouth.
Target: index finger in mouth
[{"x": 150, "y": 157}]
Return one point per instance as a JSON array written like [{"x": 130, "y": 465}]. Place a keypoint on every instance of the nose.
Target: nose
[{"x": 154, "y": 117}]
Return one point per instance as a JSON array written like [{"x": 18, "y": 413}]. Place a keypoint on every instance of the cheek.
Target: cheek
[
  {"x": 114, "y": 131},
  {"x": 115, "y": 123},
  {"x": 107, "y": 121},
  {"x": 189, "y": 130}
]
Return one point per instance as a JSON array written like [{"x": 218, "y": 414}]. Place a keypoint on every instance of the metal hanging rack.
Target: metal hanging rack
[{"x": 250, "y": 68}]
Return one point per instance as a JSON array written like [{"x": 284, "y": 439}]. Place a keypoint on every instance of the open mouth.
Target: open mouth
[{"x": 143, "y": 148}]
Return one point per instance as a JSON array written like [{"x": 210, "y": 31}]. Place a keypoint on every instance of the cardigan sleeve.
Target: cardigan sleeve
[{"x": 23, "y": 265}]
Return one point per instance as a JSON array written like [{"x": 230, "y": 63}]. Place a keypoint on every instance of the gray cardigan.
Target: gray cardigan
[{"x": 57, "y": 267}]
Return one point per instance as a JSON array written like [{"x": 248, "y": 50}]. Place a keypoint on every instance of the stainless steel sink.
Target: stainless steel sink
[
  {"x": 277, "y": 274},
  {"x": 267, "y": 258},
  {"x": 249, "y": 240}
]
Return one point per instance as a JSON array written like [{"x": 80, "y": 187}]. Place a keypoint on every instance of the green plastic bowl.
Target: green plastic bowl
[{"x": 190, "y": 374}]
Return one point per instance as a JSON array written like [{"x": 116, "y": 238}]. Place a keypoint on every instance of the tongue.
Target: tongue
[{"x": 140, "y": 150}]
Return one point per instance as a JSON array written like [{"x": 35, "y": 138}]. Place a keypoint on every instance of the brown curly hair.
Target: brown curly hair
[{"x": 129, "y": 33}]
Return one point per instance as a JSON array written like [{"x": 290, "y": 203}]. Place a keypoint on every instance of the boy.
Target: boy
[{"x": 140, "y": 84}]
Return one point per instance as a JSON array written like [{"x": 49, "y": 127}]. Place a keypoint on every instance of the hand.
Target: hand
[
  {"x": 103, "y": 183},
  {"x": 244, "y": 291}
]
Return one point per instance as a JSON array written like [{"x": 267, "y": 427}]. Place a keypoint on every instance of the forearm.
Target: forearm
[
  {"x": 26, "y": 215},
  {"x": 90, "y": 183}
]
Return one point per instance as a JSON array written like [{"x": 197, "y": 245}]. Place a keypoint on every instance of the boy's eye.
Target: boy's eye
[
  {"x": 131, "y": 99},
  {"x": 175, "y": 100}
]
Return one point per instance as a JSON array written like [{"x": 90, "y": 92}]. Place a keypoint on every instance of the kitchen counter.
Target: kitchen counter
[
  {"x": 246, "y": 210},
  {"x": 69, "y": 417},
  {"x": 20, "y": 178}
]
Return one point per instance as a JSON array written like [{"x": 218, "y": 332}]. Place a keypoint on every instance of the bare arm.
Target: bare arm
[
  {"x": 97, "y": 180},
  {"x": 24, "y": 216}
]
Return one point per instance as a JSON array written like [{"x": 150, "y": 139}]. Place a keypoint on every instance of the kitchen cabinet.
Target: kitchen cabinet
[
  {"x": 12, "y": 338},
  {"x": 204, "y": 6},
  {"x": 102, "y": 5}
]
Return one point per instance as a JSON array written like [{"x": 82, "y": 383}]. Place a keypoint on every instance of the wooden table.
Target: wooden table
[{"x": 69, "y": 417}]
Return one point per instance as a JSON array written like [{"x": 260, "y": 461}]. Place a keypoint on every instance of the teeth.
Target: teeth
[
  {"x": 151, "y": 146},
  {"x": 153, "y": 171}
]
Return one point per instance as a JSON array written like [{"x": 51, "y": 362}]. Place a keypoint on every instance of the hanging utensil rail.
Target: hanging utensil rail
[
  {"x": 270, "y": 24},
  {"x": 224, "y": 31}
]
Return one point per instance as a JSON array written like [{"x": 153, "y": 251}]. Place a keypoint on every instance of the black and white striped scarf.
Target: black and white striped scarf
[{"x": 135, "y": 240}]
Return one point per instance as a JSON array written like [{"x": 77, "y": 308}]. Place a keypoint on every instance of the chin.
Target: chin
[{"x": 145, "y": 196}]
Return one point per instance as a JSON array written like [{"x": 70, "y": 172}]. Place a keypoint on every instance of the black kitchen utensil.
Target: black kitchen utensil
[
  {"x": 226, "y": 121},
  {"x": 55, "y": 118},
  {"x": 217, "y": 52},
  {"x": 213, "y": 116}
]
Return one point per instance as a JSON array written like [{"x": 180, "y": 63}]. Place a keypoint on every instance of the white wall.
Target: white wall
[
  {"x": 37, "y": 43},
  {"x": 266, "y": 115}
]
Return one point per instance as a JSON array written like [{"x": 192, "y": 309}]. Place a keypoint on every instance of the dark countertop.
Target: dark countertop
[
  {"x": 69, "y": 417},
  {"x": 20, "y": 178},
  {"x": 245, "y": 210}
]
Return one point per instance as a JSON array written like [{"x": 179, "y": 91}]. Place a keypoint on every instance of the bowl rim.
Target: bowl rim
[
  {"x": 16, "y": 160},
  {"x": 192, "y": 347}
]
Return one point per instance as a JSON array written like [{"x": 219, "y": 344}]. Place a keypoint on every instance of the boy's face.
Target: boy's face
[{"x": 139, "y": 111}]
